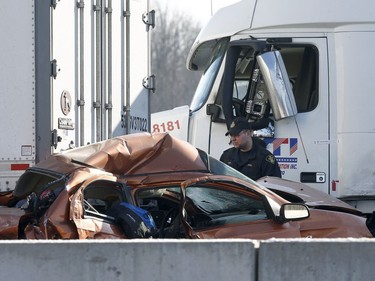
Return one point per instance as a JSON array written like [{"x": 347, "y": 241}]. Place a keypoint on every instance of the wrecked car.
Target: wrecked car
[{"x": 181, "y": 190}]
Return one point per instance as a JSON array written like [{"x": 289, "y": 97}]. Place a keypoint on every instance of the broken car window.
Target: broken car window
[
  {"x": 219, "y": 206},
  {"x": 205, "y": 206}
]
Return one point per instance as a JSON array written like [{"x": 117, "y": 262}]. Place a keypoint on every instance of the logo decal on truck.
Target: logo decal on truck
[{"x": 284, "y": 149}]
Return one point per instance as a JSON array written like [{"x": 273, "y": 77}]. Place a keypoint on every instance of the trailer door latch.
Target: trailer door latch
[{"x": 55, "y": 138}]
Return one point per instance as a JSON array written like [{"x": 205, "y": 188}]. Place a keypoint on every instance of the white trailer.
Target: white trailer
[
  {"x": 72, "y": 73},
  {"x": 327, "y": 141}
]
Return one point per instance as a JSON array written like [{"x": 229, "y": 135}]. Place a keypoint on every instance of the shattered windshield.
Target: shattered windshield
[
  {"x": 217, "y": 201},
  {"x": 209, "y": 75}
]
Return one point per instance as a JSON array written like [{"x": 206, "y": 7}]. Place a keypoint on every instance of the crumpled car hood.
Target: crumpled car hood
[{"x": 311, "y": 197}]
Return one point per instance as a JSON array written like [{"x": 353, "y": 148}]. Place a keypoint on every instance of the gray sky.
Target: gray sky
[{"x": 198, "y": 9}]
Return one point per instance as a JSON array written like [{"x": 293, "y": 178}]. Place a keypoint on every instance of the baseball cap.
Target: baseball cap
[{"x": 238, "y": 125}]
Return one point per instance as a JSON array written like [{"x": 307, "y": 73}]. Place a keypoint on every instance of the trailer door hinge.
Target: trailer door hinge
[
  {"x": 54, "y": 68},
  {"x": 53, "y": 3},
  {"x": 149, "y": 19},
  {"x": 149, "y": 83},
  {"x": 97, "y": 8},
  {"x": 80, "y": 4}
]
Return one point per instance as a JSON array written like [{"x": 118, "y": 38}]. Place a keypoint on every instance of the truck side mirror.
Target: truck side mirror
[{"x": 277, "y": 83}]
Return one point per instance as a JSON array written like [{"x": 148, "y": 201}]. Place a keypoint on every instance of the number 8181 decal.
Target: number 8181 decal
[{"x": 167, "y": 126}]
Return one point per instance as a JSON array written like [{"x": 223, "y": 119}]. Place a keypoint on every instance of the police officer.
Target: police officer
[{"x": 247, "y": 154}]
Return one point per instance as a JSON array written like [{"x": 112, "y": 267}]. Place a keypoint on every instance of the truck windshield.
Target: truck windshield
[{"x": 205, "y": 84}]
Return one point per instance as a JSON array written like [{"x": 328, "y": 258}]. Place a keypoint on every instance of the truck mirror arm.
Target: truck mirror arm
[{"x": 214, "y": 111}]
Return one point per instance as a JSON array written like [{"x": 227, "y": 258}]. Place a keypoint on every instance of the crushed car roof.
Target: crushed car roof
[{"x": 133, "y": 155}]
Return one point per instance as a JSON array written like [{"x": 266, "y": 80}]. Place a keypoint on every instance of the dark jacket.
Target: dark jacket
[{"x": 256, "y": 163}]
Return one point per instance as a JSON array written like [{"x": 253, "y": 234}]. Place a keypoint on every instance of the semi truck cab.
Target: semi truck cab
[{"x": 301, "y": 72}]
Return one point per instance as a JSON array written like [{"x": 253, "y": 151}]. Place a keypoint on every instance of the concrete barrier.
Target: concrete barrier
[
  {"x": 133, "y": 260},
  {"x": 317, "y": 259},
  {"x": 183, "y": 260}
]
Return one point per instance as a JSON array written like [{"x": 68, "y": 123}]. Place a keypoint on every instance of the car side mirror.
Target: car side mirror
[{"x": 292, "y": 211}]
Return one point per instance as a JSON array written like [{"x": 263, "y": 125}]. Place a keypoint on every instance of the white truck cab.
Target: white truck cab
[{"x": 304, "y": 71}]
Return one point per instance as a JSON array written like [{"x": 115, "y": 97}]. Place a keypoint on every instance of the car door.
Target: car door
[
  {"x": 90, "y": 204},
  {"x": 216, "y": 208}
]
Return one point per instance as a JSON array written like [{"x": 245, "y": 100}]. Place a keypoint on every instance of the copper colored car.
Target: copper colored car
[{"x": 187, "y": 193}]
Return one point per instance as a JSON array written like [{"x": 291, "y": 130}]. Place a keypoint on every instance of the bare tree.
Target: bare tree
[{"x": 171, "y": 42}]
